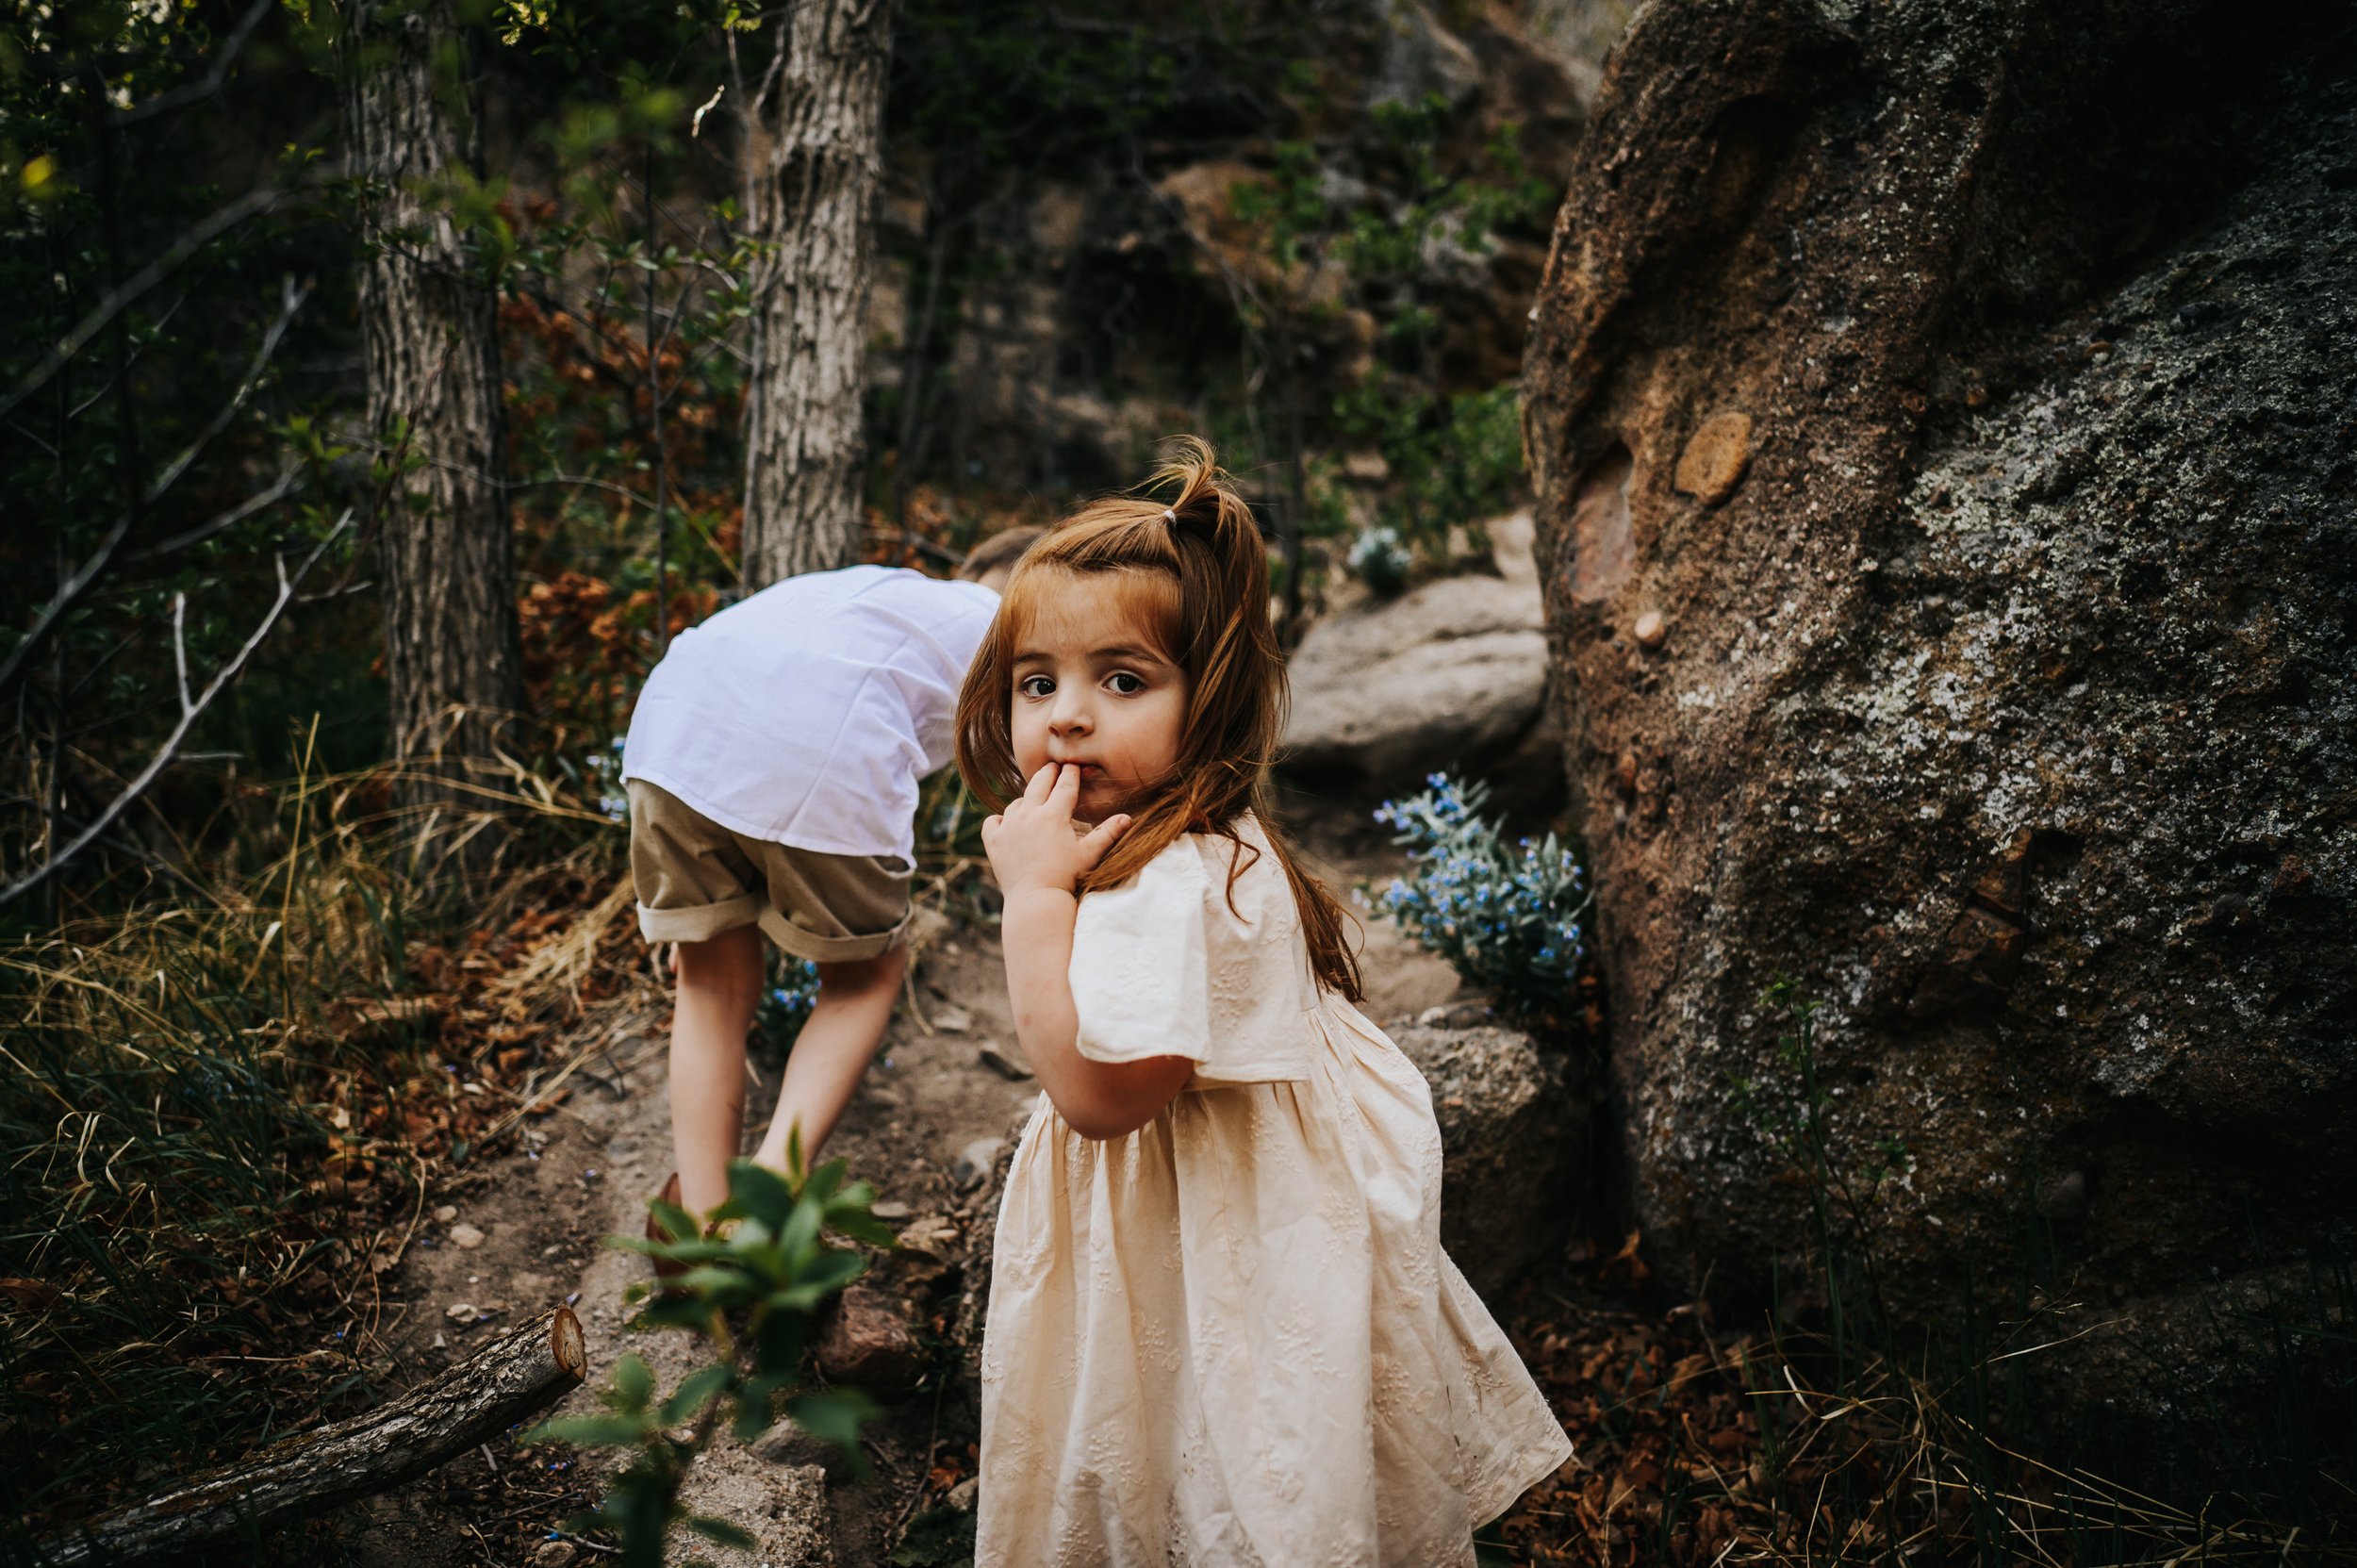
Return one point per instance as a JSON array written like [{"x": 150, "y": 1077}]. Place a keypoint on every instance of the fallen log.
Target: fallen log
[{"x": 513, "y": 1379}]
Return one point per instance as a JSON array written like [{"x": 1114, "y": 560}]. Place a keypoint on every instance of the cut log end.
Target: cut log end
[{"x": 566, "y": 1344}]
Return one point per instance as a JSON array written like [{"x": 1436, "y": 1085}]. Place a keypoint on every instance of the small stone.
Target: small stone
[
  {"x": 866, "y": 1343},
  {"x": 890, "y": 1208},
  {"x": 963, "y": 1495},
  {"x": 447, "y": 1212},
  {"x": 461, "y": 1312},
  {"x": 466, "y": 1236},
  {"x": 935, "y": 1235},
  {"x": 956, "y": 1020},
  {"x": 1650, "y": 630},
  {"x": 1713, "y": 462},
  {"x": 973, "y": 1162},
  {"x": 1625, "y": 773},
  {"x": 555, "y": 1554},
  {"x": 1002, "y": 1061}
]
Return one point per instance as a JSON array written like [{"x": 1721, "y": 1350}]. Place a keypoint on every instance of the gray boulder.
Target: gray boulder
[
  {"x": 1514, "y": 1133},
  {"x": 1449, "y": 675}
]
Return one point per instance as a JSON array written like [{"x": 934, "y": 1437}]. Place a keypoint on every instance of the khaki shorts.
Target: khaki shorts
[{"x": 696, "y": 879}]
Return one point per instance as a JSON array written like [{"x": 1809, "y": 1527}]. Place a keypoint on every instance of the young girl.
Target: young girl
[{"x": 1222, "y": 1330}]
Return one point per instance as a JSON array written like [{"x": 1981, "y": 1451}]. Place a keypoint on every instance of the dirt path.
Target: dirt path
[{"x": 522, "y": 1232}]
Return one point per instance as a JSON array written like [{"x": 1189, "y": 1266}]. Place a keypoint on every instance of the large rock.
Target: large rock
[
  {"x": 1451, "y": 674},
  {"x": 1966, "y": 388},
  {"x": 1514, "y": 1136}
]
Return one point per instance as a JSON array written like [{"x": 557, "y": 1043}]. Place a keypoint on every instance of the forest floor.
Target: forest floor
[{"x": 521, "y": 1228}]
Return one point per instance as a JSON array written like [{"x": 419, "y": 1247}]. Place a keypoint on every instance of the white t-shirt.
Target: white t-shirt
[{"x": 806, "y": 714}]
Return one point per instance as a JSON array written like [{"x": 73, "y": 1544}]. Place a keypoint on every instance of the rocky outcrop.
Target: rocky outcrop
[
  {"x": 1452, "y": 675},
  {"x": 1042, "y": 323},
  {"x": 1514, "y": 1134},
  {"x": 1939, "y": 416}
]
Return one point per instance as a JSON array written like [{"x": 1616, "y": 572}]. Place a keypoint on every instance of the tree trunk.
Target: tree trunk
[
  {"x": 511, "y": 1379},
  {"x": 1948, "y": 574},
  {"x": 816, "y": 163},
  {"x": 429, "y": 326}
]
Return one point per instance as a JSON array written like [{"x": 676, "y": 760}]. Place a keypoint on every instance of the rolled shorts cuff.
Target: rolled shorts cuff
[
  {"x": 700, "y": 922},
  {"x": 791, "y": 938}
]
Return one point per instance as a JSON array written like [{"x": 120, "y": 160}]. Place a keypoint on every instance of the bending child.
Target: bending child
[
  {"x": 1222, "y": 1330},
  {"x": 772, "y": 767}
]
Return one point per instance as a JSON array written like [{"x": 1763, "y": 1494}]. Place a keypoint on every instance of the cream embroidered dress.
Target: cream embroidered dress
[{"x": 1230, "y": 1339}]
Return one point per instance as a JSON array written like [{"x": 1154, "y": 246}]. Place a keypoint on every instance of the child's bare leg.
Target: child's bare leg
[
  {"x": 836, "y": 1043},
  {"x": 719, "y": 985}
]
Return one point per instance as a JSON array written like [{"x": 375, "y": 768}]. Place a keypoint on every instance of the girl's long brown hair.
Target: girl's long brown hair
[{"x": 1199, "y": 572}]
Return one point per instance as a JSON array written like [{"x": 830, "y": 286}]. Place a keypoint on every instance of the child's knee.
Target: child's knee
[
  {"x": 726, "y": 964},
  {"x": 863, "y": 975}
]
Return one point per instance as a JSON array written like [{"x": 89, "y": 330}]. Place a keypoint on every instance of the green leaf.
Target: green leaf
[
  {"x": 696, "y": 1391},
  {"x": 865, "y": 1227},
  {"x": 720, "y": 1530},
  {"x": 831, "y": 1271},
  {"x": 825, "y": 1181},
  {"x": 799, "y": 1236},
  {"x": 676, "y": 1222},
  {"x": 634, "y": 1383},
  {"x": 834, "y": 1415},
  {"x": 760, "y": 1193},
  {"x": 590, "y": 1431}
]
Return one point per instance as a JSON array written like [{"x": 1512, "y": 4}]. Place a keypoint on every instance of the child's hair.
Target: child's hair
[
  {"x": 1003, "y": 549},
  {"x": 1194, "y": 574}
]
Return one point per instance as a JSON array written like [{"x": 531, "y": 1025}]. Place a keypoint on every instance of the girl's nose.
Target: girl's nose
[{"x": 1069, "y": 716}]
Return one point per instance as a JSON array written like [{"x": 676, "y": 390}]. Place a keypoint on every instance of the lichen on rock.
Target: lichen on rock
[{"x": 2010, "y": 707}]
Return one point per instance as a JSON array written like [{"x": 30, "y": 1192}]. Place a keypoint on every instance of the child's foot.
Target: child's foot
[{"x": 664, "y": 1267}]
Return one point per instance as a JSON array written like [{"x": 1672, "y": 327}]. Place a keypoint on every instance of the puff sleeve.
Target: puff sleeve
[{"x": 1162, "y": 966}]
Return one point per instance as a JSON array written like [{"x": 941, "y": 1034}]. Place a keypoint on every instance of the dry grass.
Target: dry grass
[
  {"x": 1697, "y": 1448},
  {"x": 218, "y": 1116}
]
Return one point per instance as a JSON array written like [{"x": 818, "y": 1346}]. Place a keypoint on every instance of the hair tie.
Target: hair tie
[{"x": 1170, "y": 517}]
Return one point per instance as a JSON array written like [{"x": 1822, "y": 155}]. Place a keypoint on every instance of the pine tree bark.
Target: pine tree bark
[
  {"x": 428, "y": 327},
  {"x": 817, "y": 162}
]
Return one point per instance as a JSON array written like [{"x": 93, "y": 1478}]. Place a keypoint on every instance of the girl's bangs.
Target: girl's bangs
[{"x": 1143, "y": 597}]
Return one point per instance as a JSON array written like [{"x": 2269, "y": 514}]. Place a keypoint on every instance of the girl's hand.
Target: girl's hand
[{"x": 1034, "y": 843}]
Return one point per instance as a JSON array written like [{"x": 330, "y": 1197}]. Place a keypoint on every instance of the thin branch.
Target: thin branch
[
  {"x": 291, "y": 299},
  {"x": 71, "y": 591},
  {"x": 205, "y": 86},
  {"x": 285, "y": 485},
  {"x": 180, "y": 645},
  {"x": 252, "y": 204},
  {"x": 191, "y": 709}
]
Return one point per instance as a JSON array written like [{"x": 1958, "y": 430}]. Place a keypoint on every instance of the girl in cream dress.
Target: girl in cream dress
[{"x": 1222, "y": 1333}]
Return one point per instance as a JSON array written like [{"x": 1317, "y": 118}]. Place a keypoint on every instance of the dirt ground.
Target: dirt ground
[{"x": 521, "y": 1230}]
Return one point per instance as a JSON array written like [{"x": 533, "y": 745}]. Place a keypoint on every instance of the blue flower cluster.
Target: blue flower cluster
[
  {"x": 786, "y": 1006},
  {"x": 1506, "y": 919},
  {"x": 1380, "y": 560},
  {"x": 601, "y": 773}
]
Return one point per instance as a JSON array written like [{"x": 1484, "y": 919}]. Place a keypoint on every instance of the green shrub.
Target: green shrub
[{"x": 1508, "y": 919}]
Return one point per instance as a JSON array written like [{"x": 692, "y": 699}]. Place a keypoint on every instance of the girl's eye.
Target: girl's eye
[
  {"x": 1132, "y": 689},
  {"x": 1036, "y": 686}
]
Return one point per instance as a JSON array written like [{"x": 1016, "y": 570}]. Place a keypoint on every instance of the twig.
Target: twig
[
  {"x": 69, "y": 592},
  {"x": 205, "y": 86},
  {"x": 252, "y": 204},
  {"x": 191, "y": 709},
  {"x": 288, "y": 482}
]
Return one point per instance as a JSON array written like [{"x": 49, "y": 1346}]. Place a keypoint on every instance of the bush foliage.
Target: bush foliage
[{"x": 1507, "y": 918}]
